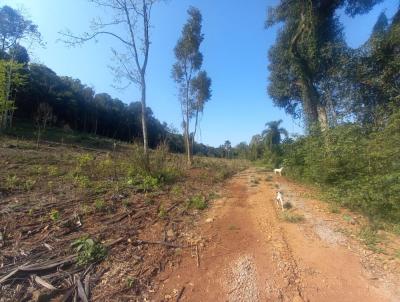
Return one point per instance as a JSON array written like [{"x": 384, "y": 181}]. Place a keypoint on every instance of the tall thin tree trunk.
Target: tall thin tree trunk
[
  {"x": 188, "y": 153},
  {"x": 144, "y": 122},
  {"x": 195, "y": 130}
]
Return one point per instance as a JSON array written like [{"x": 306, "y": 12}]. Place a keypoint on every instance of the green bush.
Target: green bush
[
  {"x": 88, "y": 250},
  {"x": 356, "y": 167},
  {"x": 197, "y": 202}
]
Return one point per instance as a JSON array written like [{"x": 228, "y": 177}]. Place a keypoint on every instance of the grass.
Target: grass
[
  {"x": 292, "y": 217},
  {"x": 197, "y": 202},
  {"x": 334, "y": 208},
  {"x": 54, "y": 215},
  {"x": 371, "y": 238}
]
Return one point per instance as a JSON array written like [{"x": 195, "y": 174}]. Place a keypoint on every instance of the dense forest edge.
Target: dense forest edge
[{"x": 349, "y": 101}]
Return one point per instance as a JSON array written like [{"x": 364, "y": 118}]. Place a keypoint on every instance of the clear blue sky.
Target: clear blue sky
[{"x": 235, "y": 56}]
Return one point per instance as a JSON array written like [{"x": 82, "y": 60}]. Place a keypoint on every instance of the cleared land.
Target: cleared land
[
  {"x": 83, "y": 223},
  {"x": 92, "y": 223}
]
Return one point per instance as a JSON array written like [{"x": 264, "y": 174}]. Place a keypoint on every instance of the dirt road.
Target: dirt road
[{"x": 247, "y": 252}]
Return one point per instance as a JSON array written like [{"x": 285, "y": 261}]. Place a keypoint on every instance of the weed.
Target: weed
[
  {"x": 334, "y": 208},
  {"x": 396, "y": 229},
  {"x": 85, "y": 209},
  {"x": 213, "y": 195},
  {"x": 292, "y": 217},
  {"x": 12, "y": 182},
  {"x": 83, "y": 160},
  {"x": 370, "y": 237},
  {"x": 88, "y": 250},
  {"x": 197, "y": 202},
  {"x": 130, "y": 282},
  {"x": 149, "y": 183},
  {"x": 54, "y": 215},
  {"x": 100, "y": 205},
  {"x": 82, "y": 181},
  {"x": 53, "y": 171},
  {"x": 176, "y": 190},
  {"x": 29, "y": 184},
  {"x": 347, "y": 218},
  {"x": 162, "y": 213}
]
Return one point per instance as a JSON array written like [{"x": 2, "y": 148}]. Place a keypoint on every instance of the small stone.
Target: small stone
[{"x": 209, "y": 220}]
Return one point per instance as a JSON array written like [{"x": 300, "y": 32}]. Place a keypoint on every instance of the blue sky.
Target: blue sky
[{"x": 235, "y": 56}]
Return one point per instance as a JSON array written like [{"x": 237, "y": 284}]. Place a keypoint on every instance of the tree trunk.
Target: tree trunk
[
  {"x": 322, "y": 118},
  {"x": 187, "y": 138},
  {"x": 144, "y": 122},
  {"x": 310, "y": 104}
]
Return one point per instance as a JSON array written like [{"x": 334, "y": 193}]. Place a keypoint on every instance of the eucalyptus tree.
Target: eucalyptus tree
[
  {"x": 227, "y": 148},
  {"x": 130, "y": 25},
  {"x": 309, "y": 47},
  {"x": 194, "y": 84}
]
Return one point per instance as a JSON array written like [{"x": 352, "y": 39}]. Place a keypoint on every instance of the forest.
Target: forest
[{"x": 100, "y": 200}]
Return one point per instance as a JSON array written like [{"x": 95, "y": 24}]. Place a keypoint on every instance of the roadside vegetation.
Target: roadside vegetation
[{"x": 350, "y": 148}]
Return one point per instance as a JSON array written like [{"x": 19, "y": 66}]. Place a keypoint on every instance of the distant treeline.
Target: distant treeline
[{"x": 78, "y": 107}]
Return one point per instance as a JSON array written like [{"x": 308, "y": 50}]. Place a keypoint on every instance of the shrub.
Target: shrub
[
  {"x": 356, "y": 167},
  {"x": 54, "y": 215},
  {"x": 88, "y": 250},
  {"x": 100, "y": 205},
  {"x": 292, "y": 217},
  {"x": 197, "y": 202}
]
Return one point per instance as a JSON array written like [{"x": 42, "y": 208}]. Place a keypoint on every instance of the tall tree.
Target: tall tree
[
  {"x": 308, "y": 48},
  {"x": 201, "y": 92},
  {"x": 14, "y": 28},
  {"x": 272, "y": 135},
  {"x": 130, "y": 25},
  {"x": 194, "y": 85}
]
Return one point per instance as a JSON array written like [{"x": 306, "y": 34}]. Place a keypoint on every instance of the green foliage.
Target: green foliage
[
  {"x": 194, "y": 84},
  {"x": 162, "y": 213},
  {"x": 198, "y": 202},
  {"x": 12, "y": 182},
  {"x": 292, "y": 217},
  {"x": 12, "y": 77},
  {"x": 358, "y": 169},
  {"x": 54, "y": 215},
  {"x": 149, "y": 183},
  {"x": 370, "y": 237},
  {"x": 29, "y": 184},
  {"x": 100, "y": 205},
  {"x": 88, "y": 250},
  {"x": 82, "y": 181}
]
